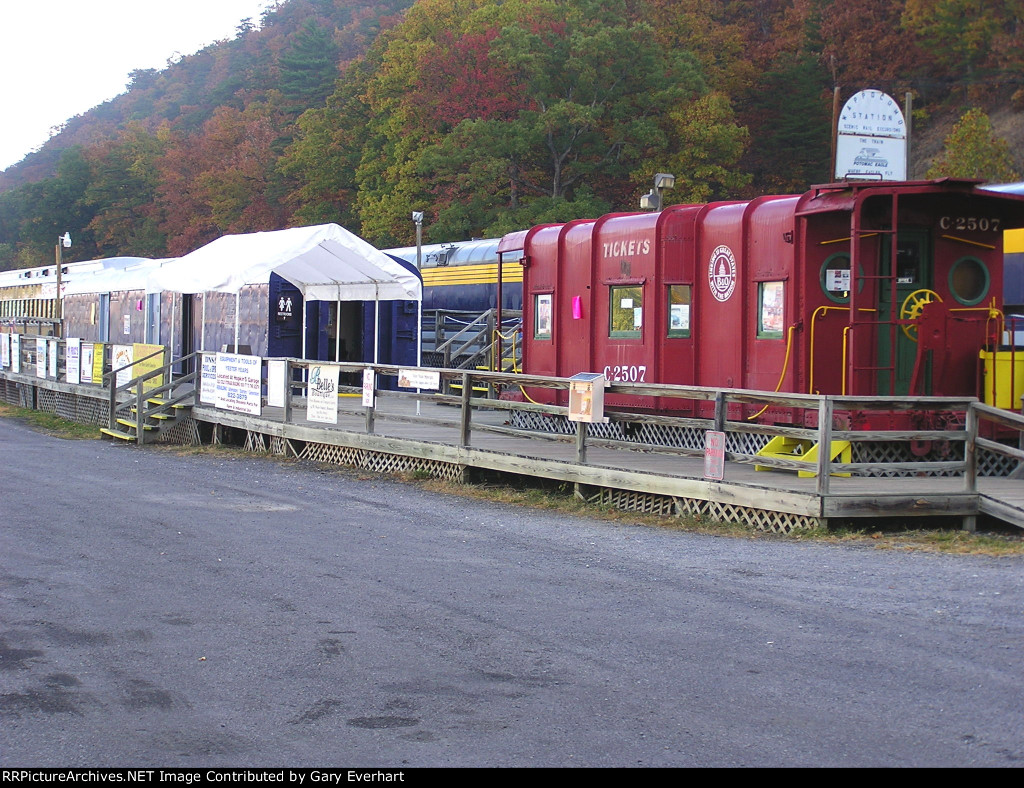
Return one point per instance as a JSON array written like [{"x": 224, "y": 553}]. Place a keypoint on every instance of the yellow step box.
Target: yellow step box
[{"x": 802, "y": 451}]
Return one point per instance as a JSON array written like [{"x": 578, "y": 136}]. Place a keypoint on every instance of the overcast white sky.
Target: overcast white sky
[{"x": 60, "y": 58}]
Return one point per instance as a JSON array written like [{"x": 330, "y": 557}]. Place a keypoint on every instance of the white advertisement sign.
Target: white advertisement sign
[
  {"x": 872, "y": 138},
  {"x": 322, "y": 394},
  {"x": 277, "y": 370},
  {"x": 88, "y": 348},
  {"x": 208, "y": 380},
  {"x": 238, "y": 383},
  {"x": 122, "y": 356},
  {"x": 5, "y": 350},
  {"x": 73, "y": 360},
  {"x": 40, "y": 358},
  {"x": 51, "y": 353},
  {"x": 419, "y": 379},
  {"x": 16, "y": 353}
]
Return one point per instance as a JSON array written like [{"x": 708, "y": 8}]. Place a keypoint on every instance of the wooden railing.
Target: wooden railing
[{"x": 817, "y": 410}]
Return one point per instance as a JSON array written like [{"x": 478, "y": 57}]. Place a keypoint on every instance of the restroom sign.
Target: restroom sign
[{"x": 284, "y": 309}]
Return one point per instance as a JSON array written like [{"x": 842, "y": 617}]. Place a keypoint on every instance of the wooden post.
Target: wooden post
[
  {"x": 140, "y": 429},
  {"x": 113, "y": 401},
  {"x": 970, "y": 522},
  {"x": 720, "y": 411},
  {"x": 581, "y": 442},
  {"x": 287, "y": 414},
  {"x": 824, "y": 445},
  {"x": 467, "y": 410}
]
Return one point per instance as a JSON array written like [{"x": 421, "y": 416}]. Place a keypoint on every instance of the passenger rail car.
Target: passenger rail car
[
  {"x": 849, "y": 289},
  {"x": 463, "y": 276}
]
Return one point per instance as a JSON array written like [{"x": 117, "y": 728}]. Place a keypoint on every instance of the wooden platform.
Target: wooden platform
[{"x": 775, "y": 500}]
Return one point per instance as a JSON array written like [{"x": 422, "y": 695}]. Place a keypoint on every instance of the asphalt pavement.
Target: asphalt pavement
[{"x": 167, "y": 609}]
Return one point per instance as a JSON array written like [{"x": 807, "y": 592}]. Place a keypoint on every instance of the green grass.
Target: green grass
[{"x": 50, "y": 423}]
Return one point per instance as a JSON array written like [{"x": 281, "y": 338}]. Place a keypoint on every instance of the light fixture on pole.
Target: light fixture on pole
[
  {"x": 417, "y": 217},
  {"x": 654, "y": 199},
  {"x": 63, "y": 242}
]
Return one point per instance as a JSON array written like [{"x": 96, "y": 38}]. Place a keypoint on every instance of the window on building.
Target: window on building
[
  {"x": 542, "y": 316},
  {"x": 771, "y": 301},
  {"x": 627, "y": 311},
  {"x": 679, "y": 310}
]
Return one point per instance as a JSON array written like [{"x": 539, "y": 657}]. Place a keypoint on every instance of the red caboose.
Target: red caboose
[{"x": 857, "y": 289}]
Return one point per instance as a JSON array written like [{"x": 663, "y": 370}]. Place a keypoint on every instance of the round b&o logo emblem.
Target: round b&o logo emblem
[{"x": 722, "y": 273}]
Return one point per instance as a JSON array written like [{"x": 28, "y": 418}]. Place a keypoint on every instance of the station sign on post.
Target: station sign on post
[
  {"x": 586, "y": 397},
  {"x": 871, "y": 138}
]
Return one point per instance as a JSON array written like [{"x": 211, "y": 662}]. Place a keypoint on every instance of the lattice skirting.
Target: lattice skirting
[
  {"x": 692, "y": 508},
  {"x": 72, "y": 407},
  {"x": 380, "y": 462},
  {"x": 184, "y": 432}
]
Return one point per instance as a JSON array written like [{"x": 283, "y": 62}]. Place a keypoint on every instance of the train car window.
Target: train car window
[
  {"x": 627, "y": 311},
  {"x": 679, "y": 310},
  {"x": 909, "y": 253},
  {"x": 969, "y": 281},
  {"x": 835, "y": 277},
  {"x": 542, "y": 316},
  {"x": 771, "y": 300}
]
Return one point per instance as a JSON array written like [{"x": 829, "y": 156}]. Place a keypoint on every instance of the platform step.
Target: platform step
[
  {"x": 158, "y": 416},
  {"x": 124, "y": 436},
  {"x": 132, "y": 424},
  {"x": 786, "y": 448}
]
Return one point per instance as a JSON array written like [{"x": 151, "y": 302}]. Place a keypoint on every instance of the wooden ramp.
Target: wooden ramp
[{"x": 779, "y": 501}]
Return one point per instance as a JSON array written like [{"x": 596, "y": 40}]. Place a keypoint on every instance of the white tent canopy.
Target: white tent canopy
[
  {"x": 325, "y": 262},
  {"x": 117, "y": 273}
]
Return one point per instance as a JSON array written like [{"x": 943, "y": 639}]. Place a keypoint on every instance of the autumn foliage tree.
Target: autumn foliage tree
[{"x": 974, "y": 151}]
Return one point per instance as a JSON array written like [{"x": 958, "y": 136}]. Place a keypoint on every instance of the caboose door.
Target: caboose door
[{"x": 912, "y": 272}]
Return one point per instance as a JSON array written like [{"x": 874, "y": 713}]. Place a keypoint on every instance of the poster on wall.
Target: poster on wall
[
  {"x": 51, "y": 354},
  {"x": 5, "y": 351},
  {"x": 154, "y": 360},
  {"x": 121, "y": 358},
  {"x": 16, "y": 353},
  {"x": 98, "y": 359},
  {"x": 208, "y": 379},
  {"x": 86, "y": 361},
  {"x": 72, "y": 360},
  {"x": 322, "y": 397},
  {"x": 40, "y": 358},
  {"x": 238, "y": 383}
]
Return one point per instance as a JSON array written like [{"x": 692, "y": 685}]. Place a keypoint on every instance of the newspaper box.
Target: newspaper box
[{"x": 586, "y": 397}]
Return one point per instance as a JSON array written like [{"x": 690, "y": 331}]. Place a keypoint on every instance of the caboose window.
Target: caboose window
[
  {"x": 679, "y": 310},
  {"x": 969, "y": 281},
  {"x": 770, "y": 298},
  {"x": 835, "y": 277},
  {"x": 627, "y": 311},
  {"x": 542, "y": 316}
]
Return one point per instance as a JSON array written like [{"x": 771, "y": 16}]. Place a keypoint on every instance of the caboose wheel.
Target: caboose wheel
[{"x": 912, "y": 307}]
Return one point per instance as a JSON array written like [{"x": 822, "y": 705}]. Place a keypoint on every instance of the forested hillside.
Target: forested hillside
[{"x": 493, "y": 115}]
